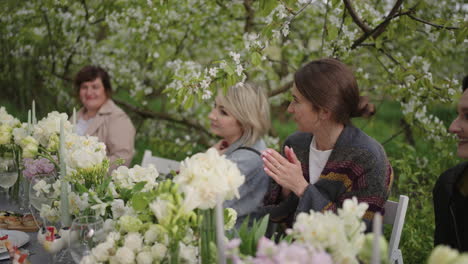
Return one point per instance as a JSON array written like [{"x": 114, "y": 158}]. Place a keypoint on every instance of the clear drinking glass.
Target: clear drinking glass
[
  {"x": 38, "y": 198},
  {"x": 8, "y": 172},
  {"x": 86, "y": 232}
]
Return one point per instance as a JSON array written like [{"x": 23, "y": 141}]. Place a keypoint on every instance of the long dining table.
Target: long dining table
[{"x": 37, "y": 252}]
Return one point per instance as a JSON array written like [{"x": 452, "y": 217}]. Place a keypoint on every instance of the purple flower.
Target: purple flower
[
  {"x": 32, "y": 167},
  {"x": 321, "y": 257}
]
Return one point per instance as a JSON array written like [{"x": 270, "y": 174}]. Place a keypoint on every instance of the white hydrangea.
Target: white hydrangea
[
  {"x": 133, "y": 241},
  {"x": 144, "y": 257},
  {"x": 124, "y": 256},
  {"x": 102, "y": 251},
  {"x": 7, "y": 119},
  {"x": 124, "y": 177},
  {"x": 342, "y": 235},
  {"x": 7, "y": 124},
  {"x": 83, "y": 152},
  {"x": 159, "y": 251},
  {"x": 50, "y": 125},
  {"x": 205, "y": 177},
  {"x": 188, "y": 253},
  {"x": 161, "y": 209}
]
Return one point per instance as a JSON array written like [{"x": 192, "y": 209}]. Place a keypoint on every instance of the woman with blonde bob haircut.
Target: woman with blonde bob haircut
[{"x": 241, "y": 117}]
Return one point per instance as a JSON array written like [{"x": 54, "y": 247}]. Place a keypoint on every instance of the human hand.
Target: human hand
[{"x": 287, "y": 172}]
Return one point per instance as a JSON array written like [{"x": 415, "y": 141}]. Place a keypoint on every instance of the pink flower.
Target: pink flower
[{"x": 32, "y": 167}]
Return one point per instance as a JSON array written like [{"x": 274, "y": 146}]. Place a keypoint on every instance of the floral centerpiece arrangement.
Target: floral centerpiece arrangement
[
  {"x": 166, "y": 222},
  {"x": 444, "y": 255},
  {"x": 9, "y": 152},
  {"x": 7, "y": 124},
  {"x": 318, "y": 238}
]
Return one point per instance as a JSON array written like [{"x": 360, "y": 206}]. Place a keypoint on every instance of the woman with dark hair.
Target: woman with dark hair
[
  {"x": 450, "y": 194},
  {"x": 328, "y": 160},
  {"x": 100, "y": 117}
]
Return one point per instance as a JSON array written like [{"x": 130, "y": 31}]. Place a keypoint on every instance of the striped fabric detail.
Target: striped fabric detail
[
  {"x": 352, "y": 170},
  {"x": 343, "y": 178}
]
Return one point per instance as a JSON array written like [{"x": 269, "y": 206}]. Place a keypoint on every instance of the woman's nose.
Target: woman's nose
[
  {"x": 290, "y": 108},
  {"x": 212, "y": 115},
  {"x": 455, "y": 127}
]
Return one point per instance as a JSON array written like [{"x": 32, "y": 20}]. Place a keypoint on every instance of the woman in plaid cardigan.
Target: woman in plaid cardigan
[{"x": 329, "y": 160}]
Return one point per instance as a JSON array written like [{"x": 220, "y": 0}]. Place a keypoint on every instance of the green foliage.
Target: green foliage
[
  {"x": 250, "y": 234},
  {"x": 168, "y": 59}
]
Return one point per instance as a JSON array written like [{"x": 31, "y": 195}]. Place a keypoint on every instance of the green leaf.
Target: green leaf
[
  {"x": 80, "y": 188},
  {"x": 256, "y": 58},
  {"x": 139, "y": 201},
  {"x": 189, "y": 102},
  {"x": 229, "y": 69},
  {"x": 266, "y": 6},
  {"x": 139, "y": 186},
  {"x": 231, "y": 80}
]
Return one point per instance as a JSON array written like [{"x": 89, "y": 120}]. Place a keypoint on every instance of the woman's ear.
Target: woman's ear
[{"x": 324, "y": 114}]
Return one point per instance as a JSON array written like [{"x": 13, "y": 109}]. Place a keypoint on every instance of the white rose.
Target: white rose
[
  {"x": 112, "y": 237},
  {"x": 188, "y": 253},
  {"x": 5, "y": 134},
  {"x": 118, "y": 208},
  {"x": 161, "y": 209},
  {"x": 144, "y": 257},
  {"x": 133, "y": 241},
  {"x": 101, "y": 251},
  {"x": 125, "y": 256},
  {"x": 89, "y": 259},
  {"x": 159, "y": 251}
]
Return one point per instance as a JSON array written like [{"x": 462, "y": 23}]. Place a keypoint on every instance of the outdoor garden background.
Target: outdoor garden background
[{"x": 167, "y": 59}]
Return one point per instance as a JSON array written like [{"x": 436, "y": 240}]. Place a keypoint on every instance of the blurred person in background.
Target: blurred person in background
[
  {"x": 450, "y": 194},
  {"x": 101, "y": 117}
]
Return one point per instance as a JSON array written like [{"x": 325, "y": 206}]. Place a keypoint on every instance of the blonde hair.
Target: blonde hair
[{"x": 249, "y": 106}]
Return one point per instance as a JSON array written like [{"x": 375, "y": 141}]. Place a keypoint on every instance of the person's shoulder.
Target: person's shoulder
[
  {"x": 451, "y": 175},
  {"x": 358, "y": 139},
  {"x": 114, "y": 109},
  {"x": 298, "y": 138},
  {"x": 248, "y": 153}
]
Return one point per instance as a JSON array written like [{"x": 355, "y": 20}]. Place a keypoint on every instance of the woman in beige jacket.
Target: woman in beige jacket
[{"x": 101, "y": 117}]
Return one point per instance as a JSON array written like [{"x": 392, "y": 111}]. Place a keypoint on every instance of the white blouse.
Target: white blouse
[
  {"x": 82, "y": 125},
  {"x": 317, "y": 161}
]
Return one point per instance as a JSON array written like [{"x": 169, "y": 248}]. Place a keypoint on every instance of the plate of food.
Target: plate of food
[
  {"x": 16, "y": 221},
  {"x": 16, "y": 238}
]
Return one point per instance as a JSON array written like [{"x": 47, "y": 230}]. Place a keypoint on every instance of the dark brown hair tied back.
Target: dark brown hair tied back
[
  {"x": 329, "y": 84},
  {"x": 365, "y": 108}
]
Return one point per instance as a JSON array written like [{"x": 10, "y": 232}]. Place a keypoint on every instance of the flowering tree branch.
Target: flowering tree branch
[
  {"x": 430, "y": 23},
  {"x": 324, "y": 32},
  {"x": 49, "y": 35},
  {"x": 355, "y": 17},
  {"x": 249, "y": 19},
  {"x": 379, "y": 29},
  {"x": 280, "y": 90},
  {"x": 162, "y": 116}
]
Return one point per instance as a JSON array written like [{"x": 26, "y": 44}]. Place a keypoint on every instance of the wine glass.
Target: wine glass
[
  {"x": 85, "y": 233},
  {"x": 8, "y": 173},
  {"x": 38, "y": 197}
]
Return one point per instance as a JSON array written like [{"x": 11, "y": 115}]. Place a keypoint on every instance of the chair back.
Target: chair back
[
  {"x": 395, "y": 213},
  {"x": 163, "y": 165}
]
